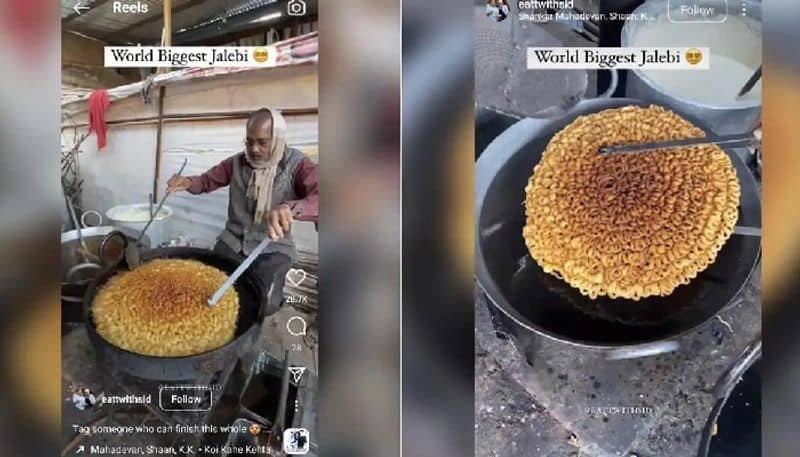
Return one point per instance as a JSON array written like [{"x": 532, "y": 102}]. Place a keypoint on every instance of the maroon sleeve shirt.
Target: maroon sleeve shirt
[{"x": 305, "y": 186}]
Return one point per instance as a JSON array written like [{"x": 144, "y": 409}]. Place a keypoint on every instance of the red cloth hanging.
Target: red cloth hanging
[{"x": 98, "y": 102}]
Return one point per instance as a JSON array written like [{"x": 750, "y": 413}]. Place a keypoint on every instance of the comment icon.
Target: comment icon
[{"x": 296, "y": 326}]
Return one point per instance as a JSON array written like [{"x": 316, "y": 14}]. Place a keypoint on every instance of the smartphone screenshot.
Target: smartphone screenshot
[
  {"x": 189, "y": 243},
  {"x": 618, "y": 227}
]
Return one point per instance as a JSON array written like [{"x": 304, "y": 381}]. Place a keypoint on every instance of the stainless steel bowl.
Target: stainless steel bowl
[{"x": 78, "y": 269}]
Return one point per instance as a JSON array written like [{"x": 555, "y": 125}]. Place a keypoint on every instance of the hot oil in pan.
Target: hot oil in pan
[{"x": 555, "y": 305}]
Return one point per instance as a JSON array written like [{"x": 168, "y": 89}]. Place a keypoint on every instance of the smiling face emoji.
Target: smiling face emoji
[
  {"x": 260, "y": 55},
  {"x": 694, "y": 56},
  {"x": 255, "y": 429}
]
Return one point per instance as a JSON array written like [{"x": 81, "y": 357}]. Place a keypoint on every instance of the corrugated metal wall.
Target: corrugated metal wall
[{"x": 123, "y": 172}]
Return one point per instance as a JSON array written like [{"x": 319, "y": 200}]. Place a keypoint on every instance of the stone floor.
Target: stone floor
[
  {"x": 562, "y": 404},
  {"x": 508, "y": 422}
]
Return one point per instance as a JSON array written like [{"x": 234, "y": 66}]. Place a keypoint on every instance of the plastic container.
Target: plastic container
[{"x": 135, "y": 217}]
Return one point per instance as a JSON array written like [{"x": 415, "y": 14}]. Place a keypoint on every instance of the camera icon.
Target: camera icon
[{"x": 296, "y": 8}]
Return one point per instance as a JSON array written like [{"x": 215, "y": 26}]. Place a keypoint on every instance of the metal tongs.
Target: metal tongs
[
  {"x": 132, "y": 256},
  {"x": 732, "y": 141},
  {"x": 737, "y": 140}
]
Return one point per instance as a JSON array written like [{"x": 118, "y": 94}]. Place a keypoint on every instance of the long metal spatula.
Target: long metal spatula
[
  {"x": 132, "y": 256},
  {"x": 732, "y": 141},
  {"x": 238, "y": 272}
]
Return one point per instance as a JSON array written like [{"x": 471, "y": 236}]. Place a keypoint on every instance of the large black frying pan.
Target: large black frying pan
[
  {"x": 543, "y": 304},
  {"x": 251, "y": 313}
]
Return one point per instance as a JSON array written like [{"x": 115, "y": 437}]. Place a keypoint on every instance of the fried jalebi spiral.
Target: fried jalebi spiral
[
  {"x": 629, "y": 225},
  {"x": 160, "y": 309}
]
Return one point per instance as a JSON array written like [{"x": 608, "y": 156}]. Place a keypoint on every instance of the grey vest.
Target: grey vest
[{"x": 239, "y": 233}]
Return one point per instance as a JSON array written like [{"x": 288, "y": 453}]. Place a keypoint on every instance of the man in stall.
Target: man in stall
[{"x": 270, "y": 186}]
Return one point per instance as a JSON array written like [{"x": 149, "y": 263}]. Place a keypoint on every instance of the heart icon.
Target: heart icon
[{"x": 296, "y": 276}]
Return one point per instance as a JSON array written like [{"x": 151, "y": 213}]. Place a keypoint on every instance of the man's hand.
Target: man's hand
[
  {"x": 177, "y": 183},
  {"x": 279, "y": 221}
]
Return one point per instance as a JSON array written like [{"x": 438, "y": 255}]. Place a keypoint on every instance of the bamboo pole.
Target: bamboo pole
[
  {"x": 167, "y": 22},
  {"x": 166, "y": 40},
  {"x": 166, "y": 32},
  {"x": 159, "y": 135}
]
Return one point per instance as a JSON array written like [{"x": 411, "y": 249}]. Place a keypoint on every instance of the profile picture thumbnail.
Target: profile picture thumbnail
[
  {"x": 83, "y": 398},
  {"x": 497, "y": 10}
]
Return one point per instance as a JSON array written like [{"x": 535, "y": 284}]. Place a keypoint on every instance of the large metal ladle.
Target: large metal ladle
[{"x": 132, "y": 256}]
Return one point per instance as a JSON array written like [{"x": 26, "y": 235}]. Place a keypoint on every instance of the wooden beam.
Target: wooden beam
[
  {"x": 116, "y": 39},
  {"x": 195, "y": 117}
]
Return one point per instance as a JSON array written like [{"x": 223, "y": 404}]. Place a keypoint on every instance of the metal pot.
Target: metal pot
[
  {"x": 539, "y": 304},
  {"x": 158, "y": 230},
  {"x": 76, "y": 272},
  {"x": 745, "y": 437},
  {"x": 188, "y": 367},
  {"x": 489, "y": 124},
  {"x": 736, "y": 117}
]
